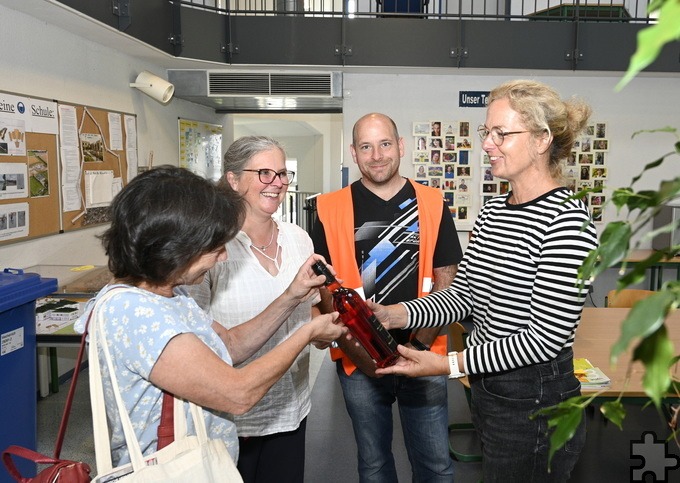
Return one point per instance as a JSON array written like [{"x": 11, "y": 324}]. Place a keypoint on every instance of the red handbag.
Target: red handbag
[{"x": 60, "y": 471}]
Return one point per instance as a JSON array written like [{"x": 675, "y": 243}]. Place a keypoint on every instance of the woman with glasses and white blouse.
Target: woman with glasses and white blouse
[
  {"x": 262, "y": 261},
  {"x": 518, "y": 280}
]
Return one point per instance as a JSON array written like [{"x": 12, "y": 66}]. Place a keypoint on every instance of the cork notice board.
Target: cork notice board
[
  {"x": 60, "y": 165},
  {"x": 97, "y": 147}
]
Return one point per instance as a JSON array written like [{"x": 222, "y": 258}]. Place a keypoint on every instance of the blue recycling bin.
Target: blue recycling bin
[{"x": 18, "y": 378}]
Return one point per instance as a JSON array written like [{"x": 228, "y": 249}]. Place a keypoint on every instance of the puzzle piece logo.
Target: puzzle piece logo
[{"x": 655, "y": 459}]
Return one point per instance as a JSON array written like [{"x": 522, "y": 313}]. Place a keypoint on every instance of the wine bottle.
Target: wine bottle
[{"x": 360, "y": 320}]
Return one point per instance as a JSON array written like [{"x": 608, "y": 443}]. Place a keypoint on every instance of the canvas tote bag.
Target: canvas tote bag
[{"x": 195, "y": 459}]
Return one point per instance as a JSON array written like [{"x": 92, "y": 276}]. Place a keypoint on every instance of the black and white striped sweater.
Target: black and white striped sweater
[{"x": 518, "y": 279}]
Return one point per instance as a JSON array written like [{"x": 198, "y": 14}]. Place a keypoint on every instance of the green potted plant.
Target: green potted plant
[{"x": 645, "y": 324}]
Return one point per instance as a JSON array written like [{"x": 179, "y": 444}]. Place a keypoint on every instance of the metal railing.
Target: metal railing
[
  {"x": 299, "y": 207},
  {"x": 515, "y": 10}
]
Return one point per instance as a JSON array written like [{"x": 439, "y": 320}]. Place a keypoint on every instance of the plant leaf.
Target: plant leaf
[
  {"x": 643, "y": 320},
  {"x": 650, "y": 40},
  {"x": 639, "y": 271},
  {"x": 564, "y": 418},
  {"x": 669, "y": 189},
  {"x": 620, "y": 196},
  {"x": 565, "y": 427},
  {"x": 643, "y": 200},
  {"x": 614, "y": 243},
  {"x": 614, "y": 412},
  {"x": 656, "y": 353}
]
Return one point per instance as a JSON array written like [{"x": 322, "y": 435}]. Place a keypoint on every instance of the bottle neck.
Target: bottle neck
[{"x": 332, "y": 285}]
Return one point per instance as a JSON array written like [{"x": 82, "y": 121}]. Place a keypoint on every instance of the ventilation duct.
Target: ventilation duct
[{"x": 234, "y": 91}]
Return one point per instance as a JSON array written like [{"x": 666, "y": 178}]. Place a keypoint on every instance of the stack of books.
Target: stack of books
[{"x": 590, "y": 377}]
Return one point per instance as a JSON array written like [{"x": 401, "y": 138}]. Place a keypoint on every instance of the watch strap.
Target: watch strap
[{"x": 454, "y": 371}]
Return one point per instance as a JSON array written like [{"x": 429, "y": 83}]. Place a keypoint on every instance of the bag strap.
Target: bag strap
[
  {"x": 166, "y": 428},
  {"x": 102, "y": 441},
  {"x": 27, "y": 454},
  {"x": 101, "y": 434},
  {"x": 71, "y": 393}
]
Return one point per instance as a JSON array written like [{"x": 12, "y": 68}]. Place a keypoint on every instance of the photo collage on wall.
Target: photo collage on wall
[
  {"x": 491, "y": 186},
  {"x": 441, "y": 159},
  {"x": 586, "y": 166}
]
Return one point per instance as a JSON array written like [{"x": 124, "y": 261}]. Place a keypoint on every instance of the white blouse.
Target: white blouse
[{"x": 238, "y": 289}]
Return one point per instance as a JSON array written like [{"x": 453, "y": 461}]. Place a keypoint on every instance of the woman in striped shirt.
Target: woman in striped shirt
[{"x": 518, "y": 280}]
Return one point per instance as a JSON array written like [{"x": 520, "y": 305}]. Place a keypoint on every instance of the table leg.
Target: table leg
[
  {"x": 54, "y": 370},
  {"x": 653, "y": 277},
  {"x": 43, "y": 372}
]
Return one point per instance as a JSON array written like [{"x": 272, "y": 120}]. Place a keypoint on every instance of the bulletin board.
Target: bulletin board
[
  {"x": 200, "y": 148},
  {"x": 29, "y": 168},
  {"x": 98, "y": 149},
  {"x": 60, "y": 165}
]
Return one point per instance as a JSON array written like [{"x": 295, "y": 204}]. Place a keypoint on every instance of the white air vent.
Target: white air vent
[{"x": 318, "y": 84}]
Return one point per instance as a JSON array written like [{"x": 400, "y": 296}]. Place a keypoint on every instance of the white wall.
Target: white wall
[
  {"x": 648, "y": 102},
  {"x": 45, "y": 61}
]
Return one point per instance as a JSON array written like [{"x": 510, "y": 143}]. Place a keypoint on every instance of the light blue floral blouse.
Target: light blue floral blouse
[{"x": 138, "y": 326}]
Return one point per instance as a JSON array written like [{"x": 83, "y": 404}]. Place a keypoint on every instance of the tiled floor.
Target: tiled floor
[{"x": 331, "y": 452}]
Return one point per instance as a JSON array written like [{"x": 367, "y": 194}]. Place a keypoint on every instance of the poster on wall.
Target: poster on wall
[
  {"x": 200, "y": 148},
  {"x": 39, "y": 174},
  {"x": 13, "y": 221},
  {"x": 441, "y": 159},
  {"x": 12, "y": 137},
  {"x": 13, "y": 178}
]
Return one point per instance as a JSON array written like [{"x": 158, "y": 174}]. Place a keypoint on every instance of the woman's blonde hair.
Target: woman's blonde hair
[{"x": 542, "y": 110}]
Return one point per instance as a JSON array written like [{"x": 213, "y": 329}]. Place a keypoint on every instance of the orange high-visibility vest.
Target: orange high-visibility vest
[{"x": 336, "y": 212}]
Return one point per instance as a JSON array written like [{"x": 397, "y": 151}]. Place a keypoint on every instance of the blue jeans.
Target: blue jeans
[
  {"x": 424, "y": 418},
  {"x": 515, "y": 448}
]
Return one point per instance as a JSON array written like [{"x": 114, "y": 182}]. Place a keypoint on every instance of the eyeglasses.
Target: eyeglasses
[
  {"x": 497, "y": 136},
  {"x": 267, "y": 175}
]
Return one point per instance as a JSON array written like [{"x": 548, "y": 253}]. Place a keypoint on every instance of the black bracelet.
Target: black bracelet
[{"x": 419, "y": 345}]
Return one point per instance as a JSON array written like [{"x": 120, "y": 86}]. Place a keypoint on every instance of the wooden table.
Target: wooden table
[{"x": 598, "y": 331}]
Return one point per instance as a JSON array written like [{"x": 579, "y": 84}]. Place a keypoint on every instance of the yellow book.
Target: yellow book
[{"x": 589, "y": 376}]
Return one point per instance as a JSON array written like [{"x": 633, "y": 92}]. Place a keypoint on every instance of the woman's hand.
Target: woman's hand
[
  {"x": 391, "y": 316},
  {"x": 413, "y": 363},
  {"x": 306, "y": 281},
  {"x": 326, "y": 328}
]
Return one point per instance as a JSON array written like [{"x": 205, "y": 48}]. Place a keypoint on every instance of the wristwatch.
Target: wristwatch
[
  {"x": 455, "y": 372},
  {"x": 419, "y": 345}
]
